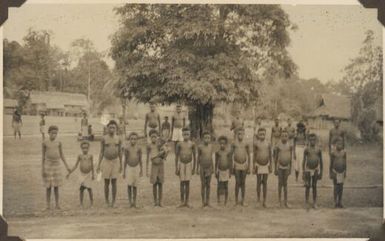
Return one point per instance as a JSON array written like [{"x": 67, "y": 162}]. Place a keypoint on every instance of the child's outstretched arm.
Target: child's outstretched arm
[
  {"x": 321, "y": 164},
  {"x": 248, "y": 158},
  {"x": 75, "y": 166},
  {"x": 43, "y": 148},
  {"x": 62, "y": 157},
  {"x": 100, "y": 155},
  {"x": 194, "y": 154},
  {"x": 147, "y": 158},
  {"x": 140, "y": 162}
]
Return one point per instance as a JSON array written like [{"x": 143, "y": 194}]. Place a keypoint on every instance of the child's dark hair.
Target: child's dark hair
[
  {"x": 53, "y": 128},
  {"x": 206, "y": 133},
  {"x": 312, "y": 135},
  {"x": 153, "y": 132},
  {"x": 112, "y": 122},
  {"x": 134, "y": 134},
  {"x": 223, "y": 138},
  {"x": 185, "y": 129},
  {"x": 84, "y": 143},
  {"x": 261, "y": 129}
]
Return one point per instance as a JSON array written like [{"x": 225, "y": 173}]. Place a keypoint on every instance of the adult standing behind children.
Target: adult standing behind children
[
  {"x": 151, "y": 122},
  {"x": 237, "y": 123},
  {"x": 17, "y": 123},
  {"x": 276, "y": 131},
  {"x": 110, "y": 161},
  {"x": 84, "y": 126},
  {"x": 336, "y": 134},
  {"x": 299, "y": 147},
  {"x": 178, "y": 122}
]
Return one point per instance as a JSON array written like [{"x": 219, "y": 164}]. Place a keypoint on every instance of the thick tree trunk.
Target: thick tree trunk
[{"x": 201, "y": 119}]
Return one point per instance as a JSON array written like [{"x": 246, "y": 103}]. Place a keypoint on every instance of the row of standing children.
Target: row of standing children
[{"x": 234, "y": 161}]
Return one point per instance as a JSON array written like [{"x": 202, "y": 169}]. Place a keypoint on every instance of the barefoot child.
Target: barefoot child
[
  {"x": 312, "y": 167},
  {"x": 133, "y": 166},
  {"x": 283, "y": 162},
  {"x": 262, "y": 163},
  {"x": 336, "y": 134},
  {"x": 86, "y": 175},
  {"x": 156, "y": 153},
  {"x": 51, "y": 170},
  {"x": 42, "y": 126},
  {"x": 223, "y": 168},
  {"x": 205, "y": 167},
  {"x": 110, "y": 161},
  {"x": 185, "y": 165},
  {"x": 241, "y": 165},
  {"x": 338, "y": 172}
]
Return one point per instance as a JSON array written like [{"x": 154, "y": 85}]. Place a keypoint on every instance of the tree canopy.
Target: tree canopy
[{"x": 200, "y": 54}]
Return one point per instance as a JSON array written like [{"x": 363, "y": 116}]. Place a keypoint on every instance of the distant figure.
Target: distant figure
[
  {"x": 178, "y": 122},
  {"x": 205, "y": 167},
  {"x": 262, "y": 163},
  {"x": 223, "y": 160},
  {"x": 290, "y": 131},
  {"x": 185, "y": 163},
  {"x": 151, "y": 122},
  {"x": 51, "y": 168},
  {"x": 335, "y": 135},
  {"x": 236, "y": 124},
  {"x": 110, "y": 161},
  {"x": 17, "y": 123},
  {"x": 166, "y": 129},
  {"x": 275, "y": 133},
  {"x": 312, "y": 169},
  {"x": 337, "y": 172},
  {"x": 300, "y": 141},
  {"x": 241, "y": 164},
  {"x": 133, "y": 167},
  {"x": 283, "y": 155},
  {"x": 85, "y": 162},
  {"x": 91, "y": 136},
  {"x": 42, "y": 126},
  {"x": 84, "y": 126}
]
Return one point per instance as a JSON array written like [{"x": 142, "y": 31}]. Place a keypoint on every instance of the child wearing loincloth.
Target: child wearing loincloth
[
  {"x": 86, "y": 174},
  {"x": 157, "y": 154},
  {"x": 51, "y": 168},
  {"x": 241, "y": 165},
  {"x": 262, "y": 163},
  {"x": 185, "y": 165},
  {"x": 283, "y": 156},
  {"x": 133, "y": 167},
  {"x": 110, "y": 161},
  {"x": 312, "y": 167},
  {"x": 223, "y": 168},
  {"x": 337, "y": 172},
  {"x": 205, "y": 167}
]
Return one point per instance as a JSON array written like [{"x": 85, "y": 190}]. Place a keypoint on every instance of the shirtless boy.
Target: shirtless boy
[
  {"x": 312, "y": 167},
  {"x": 157, "y": 154},
  {"x": 276, "y": 133},
  {"x": 86, "y": 175},
  {"x": 241, "y": 165},
  {"x": 335, "y": 135},
  {"x": 283, "y": 162},
  {"x": 185, "y": 165},
  {"x": 133, "y": 167},
  {"x": 223, "y": 164},
  {"x": 337, "y": 172},
  {"x": 205, "y": 167},
  {"x": 178, "y": 122},
  {"x": 152, "y": 121},
  {"x": 110, "y": 161},
  {"x": 262, "y": 163}
]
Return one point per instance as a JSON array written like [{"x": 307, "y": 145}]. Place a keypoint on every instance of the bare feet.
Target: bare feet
[
  {"x": 315, "y": 206},
  {"x": 287, "y": 205}
]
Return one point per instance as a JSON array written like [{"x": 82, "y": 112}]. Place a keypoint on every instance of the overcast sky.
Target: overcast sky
[{"x": 327, "y": 36}]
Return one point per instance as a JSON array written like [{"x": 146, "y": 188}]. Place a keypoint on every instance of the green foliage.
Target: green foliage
[{"x": 200, "y": 54}]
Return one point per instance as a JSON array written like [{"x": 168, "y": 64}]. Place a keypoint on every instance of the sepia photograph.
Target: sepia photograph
[{"x": 170, "y": 121}]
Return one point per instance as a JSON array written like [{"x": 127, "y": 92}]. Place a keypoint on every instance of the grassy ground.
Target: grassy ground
[{"x": 24, "y": 198}]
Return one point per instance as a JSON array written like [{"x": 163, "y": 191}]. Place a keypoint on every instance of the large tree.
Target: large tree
[{"x": 200, "y": 54}]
